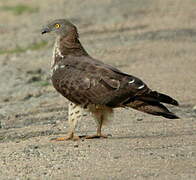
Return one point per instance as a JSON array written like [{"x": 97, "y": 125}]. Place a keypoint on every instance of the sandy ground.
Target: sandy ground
[{"x": 154, "y": 40}]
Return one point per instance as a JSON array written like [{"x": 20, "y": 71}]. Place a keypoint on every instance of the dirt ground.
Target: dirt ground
[{"x": 154, "y": 40}]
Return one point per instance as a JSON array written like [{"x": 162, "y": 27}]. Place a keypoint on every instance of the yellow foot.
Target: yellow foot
[
  {"x": 69, "y": 137},
  {"x": 96, "y": 136}
]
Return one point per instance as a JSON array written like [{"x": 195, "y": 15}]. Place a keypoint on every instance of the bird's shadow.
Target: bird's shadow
[{"x": 145, "y": 136}]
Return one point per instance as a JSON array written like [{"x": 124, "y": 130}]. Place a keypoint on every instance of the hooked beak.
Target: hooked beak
[{"x": 45, "y": 30}]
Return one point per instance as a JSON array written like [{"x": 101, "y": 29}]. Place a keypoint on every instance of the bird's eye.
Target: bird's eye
[{"x": 57, "y": 26}]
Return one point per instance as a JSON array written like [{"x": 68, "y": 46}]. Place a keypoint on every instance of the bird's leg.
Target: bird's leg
[
  {"x": 99, "y": 120},
  {"x": 99, "y": 126},
  {"x": 74, "y": 115}
]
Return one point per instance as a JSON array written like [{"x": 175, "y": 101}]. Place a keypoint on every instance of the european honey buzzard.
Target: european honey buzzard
[{"x": 90, "y": 84}]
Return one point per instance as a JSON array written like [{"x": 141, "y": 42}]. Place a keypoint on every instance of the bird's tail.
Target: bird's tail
[
  {"x": 151, "y": 104},
  {"x": 156, "y": 96}
]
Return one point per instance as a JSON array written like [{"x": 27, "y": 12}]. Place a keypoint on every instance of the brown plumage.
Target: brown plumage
[{"x": 91, "y": 84}]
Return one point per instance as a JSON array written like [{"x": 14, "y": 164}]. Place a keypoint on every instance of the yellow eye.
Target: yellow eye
[{"x": 57, "y": 26}]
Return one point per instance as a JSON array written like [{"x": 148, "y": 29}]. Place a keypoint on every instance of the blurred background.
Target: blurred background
[{"x": 154, "y": 40}]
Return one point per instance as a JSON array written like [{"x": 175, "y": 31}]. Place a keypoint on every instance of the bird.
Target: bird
[{"x": 91, "y": 85}]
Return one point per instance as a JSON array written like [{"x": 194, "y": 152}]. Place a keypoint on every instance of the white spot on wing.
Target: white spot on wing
[
  {"x": 140, "y": 87},
  {"x": 132, "y": 81},
  {"x": 62, "y": 66}
]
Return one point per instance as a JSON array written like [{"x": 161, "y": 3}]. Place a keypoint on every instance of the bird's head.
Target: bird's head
[{"x": 61, "y": 27}]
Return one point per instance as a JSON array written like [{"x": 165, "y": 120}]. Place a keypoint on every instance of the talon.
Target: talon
[
  {"x": 60, "y": 139},
  {"x": 69, "y": 137}
]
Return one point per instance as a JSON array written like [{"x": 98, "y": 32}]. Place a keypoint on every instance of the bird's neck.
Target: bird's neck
[
  {"x": 67, "y": 46},
  {"x": 70, "y": 45}
]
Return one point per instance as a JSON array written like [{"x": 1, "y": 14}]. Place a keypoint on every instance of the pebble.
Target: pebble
[
  {"x": 194, "y": 108},
  {"x": 139, "y": 119},
  {"x": 76, "y": 145}
]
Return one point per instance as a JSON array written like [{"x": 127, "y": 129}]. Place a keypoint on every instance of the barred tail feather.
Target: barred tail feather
[
  {"x": 152, "y": 107},
  {"x": 164, "y": 98},
  {"x": 169, "y": 115}
]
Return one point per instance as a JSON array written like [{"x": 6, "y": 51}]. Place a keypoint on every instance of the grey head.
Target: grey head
[{"x": 61, "y": 27}]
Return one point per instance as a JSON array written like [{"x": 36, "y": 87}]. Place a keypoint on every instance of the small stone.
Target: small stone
[
  {"x": 17, "y": 115},
  {"x": 28, "y": 96},
  {"x": 162, "y": 157},
  {"x": 139, "y": 119},
  {"x": 36, "y": 71},
  {"x": 6, "y": 100},
  {"x": 116, "y": 157},
  {"x": 76, "y": 146},
  {"x": 35, "y": 146},
  {"x": 194, "y": 108},
  {"x": 76, "y": 175},
  {"x": 109, "y": 135},
  {"x": 34, "y": 79}
]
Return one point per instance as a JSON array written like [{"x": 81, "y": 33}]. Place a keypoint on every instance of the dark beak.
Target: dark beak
[{"x": 45, "y": 30}]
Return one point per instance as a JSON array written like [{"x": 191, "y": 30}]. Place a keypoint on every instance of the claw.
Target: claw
[{"x": 68, "y": 137}]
